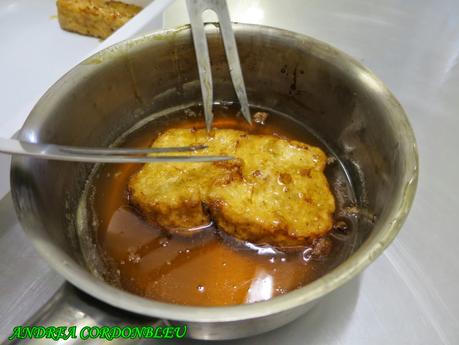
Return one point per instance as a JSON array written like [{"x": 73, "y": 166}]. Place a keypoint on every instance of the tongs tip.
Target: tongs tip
[{"x": 246, "y": 113}]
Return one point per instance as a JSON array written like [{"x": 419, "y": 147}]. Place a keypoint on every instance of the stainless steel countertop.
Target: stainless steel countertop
[{"x": 409, "y": 295}]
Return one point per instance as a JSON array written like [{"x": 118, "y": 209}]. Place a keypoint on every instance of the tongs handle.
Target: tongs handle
[
  {"x": 195, "y": 10},
  {"x": 103, "y": 155}
]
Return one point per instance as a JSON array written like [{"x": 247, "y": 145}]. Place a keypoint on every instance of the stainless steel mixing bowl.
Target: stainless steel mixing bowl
[{"x": 107, "y": 94}]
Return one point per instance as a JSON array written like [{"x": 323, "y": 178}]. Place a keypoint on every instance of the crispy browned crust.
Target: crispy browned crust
[
  {"x": 177, "y": 217},
  {"x": 274, "y": 192},
  {"x": 99, "y": 18}
]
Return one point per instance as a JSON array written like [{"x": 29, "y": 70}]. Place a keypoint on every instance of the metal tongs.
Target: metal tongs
[
  {"x": 104, "y": 155},
  {"x": 195, "y": 11}
]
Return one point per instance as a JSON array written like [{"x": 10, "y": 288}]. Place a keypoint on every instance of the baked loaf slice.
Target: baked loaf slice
[
  {"x": 99, "y": 18},
  {"x": 273, "y": 192}
]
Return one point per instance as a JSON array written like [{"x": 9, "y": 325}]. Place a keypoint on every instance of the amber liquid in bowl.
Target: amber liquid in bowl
[{"x": 209, "y": 268}]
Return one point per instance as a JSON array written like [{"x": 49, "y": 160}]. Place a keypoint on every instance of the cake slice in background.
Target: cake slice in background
[{"x": 99, "y": 18}]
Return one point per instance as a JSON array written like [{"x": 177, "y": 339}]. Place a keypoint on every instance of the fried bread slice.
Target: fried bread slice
[
  {"x": 273, "y": 192},
  {"x": 99, "y": 18}
]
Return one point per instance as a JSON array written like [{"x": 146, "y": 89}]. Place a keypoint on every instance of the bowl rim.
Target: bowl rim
[{"x": 359, "y": 260}]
